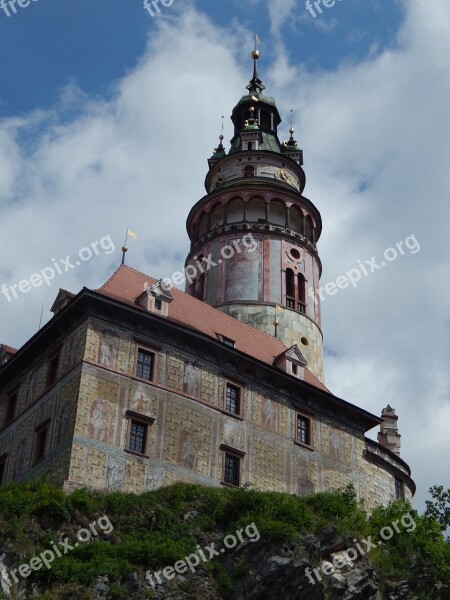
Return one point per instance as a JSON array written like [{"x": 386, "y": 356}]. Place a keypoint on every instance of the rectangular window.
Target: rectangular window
[
  {"x": 232, "y": 469},
  {"x": 158, "y": 304},
  {"x": 303, "y": 430},
  {"x": 52, "y": 369},
  {"x": 145, "y": 364},
  {"x": 399, "y": 489},
  {"x": 137, "y": 441},
  {"x": 3, "y": 460},
  {"x": 41, "y": 441},
  {"x": 11, "y": 408},
  {"x": 233, "y": 398}
]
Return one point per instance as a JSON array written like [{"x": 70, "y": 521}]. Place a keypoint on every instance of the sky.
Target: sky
[{"x": 108, "y": 116}]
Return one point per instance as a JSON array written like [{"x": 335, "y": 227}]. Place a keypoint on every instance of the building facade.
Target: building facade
[{"x": 135, "y": 385}]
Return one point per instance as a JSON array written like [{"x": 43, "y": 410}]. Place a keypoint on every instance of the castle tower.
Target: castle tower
[{"x": 253, "y": 236}]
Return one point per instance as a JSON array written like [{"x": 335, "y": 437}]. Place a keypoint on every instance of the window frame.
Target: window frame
[
  {"x": 54, "y": 356},
  {"x": 310, "y": 430},
  {"x": 234, "y": 385},
  {"x": 139, "y": 419},
  {"x": 228, "y": 451},
  {"x": 399, "y": 488},
  {"x": 147, "y": 350},
  {"x": 40, "y": 441},
  {"x": 11, "y": 415}
]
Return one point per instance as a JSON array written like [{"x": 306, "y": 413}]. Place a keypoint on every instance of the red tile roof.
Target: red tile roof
[
  {"x": 8, "y": 349},
  {"x": 126, "y": 284}
]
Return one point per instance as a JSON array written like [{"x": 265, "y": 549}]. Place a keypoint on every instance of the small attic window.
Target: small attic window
[
  {"x": 155, "y": 298},
  {"x": 227, "y": 341}
]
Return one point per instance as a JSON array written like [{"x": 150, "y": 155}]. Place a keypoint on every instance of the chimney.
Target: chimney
[{"x": 388, "y": 435}]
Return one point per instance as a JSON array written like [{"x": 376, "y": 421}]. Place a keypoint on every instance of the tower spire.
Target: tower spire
[{"x": 255, "y": 85}]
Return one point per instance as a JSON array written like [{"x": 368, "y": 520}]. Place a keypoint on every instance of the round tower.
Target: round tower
[{"x": 253, "y": 236}]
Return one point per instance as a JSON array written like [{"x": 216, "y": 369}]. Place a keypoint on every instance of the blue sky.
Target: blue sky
[
  {"x": 53, "y": 42},
  {"x": 107, "y": 118}
]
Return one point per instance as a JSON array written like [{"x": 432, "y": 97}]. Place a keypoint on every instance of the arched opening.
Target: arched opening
[
  {"x": 277, "y": 213},
  {"x": 256, "y": 210},
  {"x": 203, "y": 224},
  {"x": 301, "y": 282},
  {"x": 290, "y": 288},
  {"x": 217, "y": 216},
  {"x": 236, "y": 211},
  {"x": 296, "y": 219},
  {"x": 249, "y": 171},
  {"x": 308, "y": 228},
  {"x": 250, "y": 146}
]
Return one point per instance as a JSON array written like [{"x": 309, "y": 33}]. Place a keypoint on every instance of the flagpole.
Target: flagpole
[{"x": 124, "y": 248}]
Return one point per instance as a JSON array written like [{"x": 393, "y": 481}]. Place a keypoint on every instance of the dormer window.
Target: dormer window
[
  {"x": 156, "y": 298},
  {"x": 291, "y": 361},
  {"x": 227, "y": 341}
]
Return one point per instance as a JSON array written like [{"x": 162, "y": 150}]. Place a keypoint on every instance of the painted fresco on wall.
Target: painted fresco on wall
[
  {"x": 336, "y": 445},
  {"x": 140, "y": 401},
  {"x": 62, "y": 431},
  {"x": 100, "y": 421},
  {"x": 154, "y": 479},
  {"x": 305, "y": 485},
  {"x": 115, "y": 474},
  {"x": 232, "y": 434},
  {"x": 269, "y": 414},
  {"x": 244, "y": 274},
  {"x": 188, "y": 449},
  {"x": 192, "y": 379},
  {"x": 74, "y": 350},
  {"x": 108, "y": 349}
]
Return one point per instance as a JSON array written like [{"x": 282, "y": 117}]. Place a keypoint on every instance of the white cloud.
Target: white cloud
[{"x": 138, "y": 160}]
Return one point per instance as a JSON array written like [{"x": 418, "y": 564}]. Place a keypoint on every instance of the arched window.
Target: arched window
[
  {"x": 249, "y": 171},
  {"x": 301, "y": 281},
  {"x": 290, "y": 288},
  {"x": 277, "y": 213},
  {"x": 217, "y": 215},
  {"x": 308, "y": 228},
  {"x": 250, "y": 146},
  {"x": 256, "y": 210},
  {"x": 296, "y": 219},
  {"x": 236, "y": 211},
  {"x": 203, "y": 224}
]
